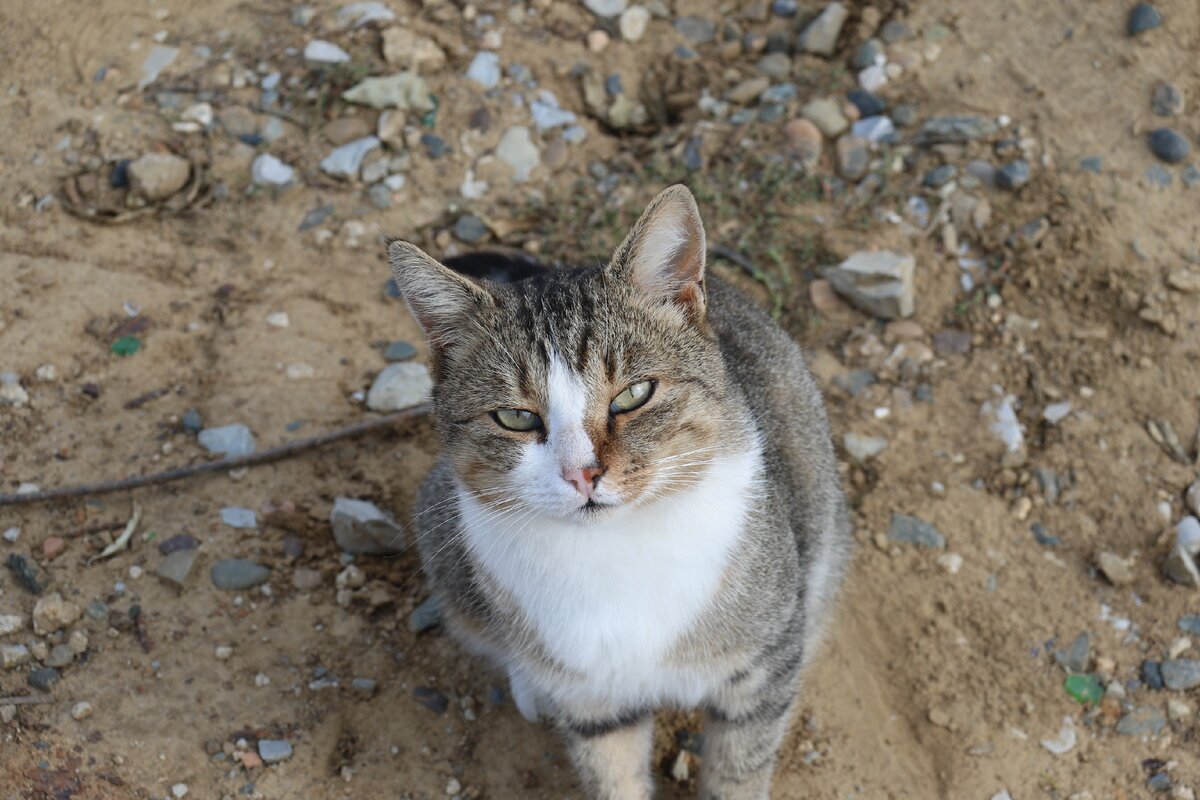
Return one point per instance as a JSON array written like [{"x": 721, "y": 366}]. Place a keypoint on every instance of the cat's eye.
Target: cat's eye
[
  {"x": 634, "y": 396},
  {"x": 517, "y": 419}
]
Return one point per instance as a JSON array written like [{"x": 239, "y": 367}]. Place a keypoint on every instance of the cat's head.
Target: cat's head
[{"x": 580, "y": 393}]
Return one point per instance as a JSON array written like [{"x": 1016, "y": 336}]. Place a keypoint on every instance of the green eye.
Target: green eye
[
  {"x": 633, "y": 397},
  {"x": 517, "y": 419}
]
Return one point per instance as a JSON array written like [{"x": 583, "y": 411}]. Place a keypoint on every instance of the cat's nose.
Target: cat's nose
[{"x": 583, "y": 479}]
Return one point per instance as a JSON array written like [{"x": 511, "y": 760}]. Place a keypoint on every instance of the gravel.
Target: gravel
[
  {"x": 485, "y": 70},
  {"x": 470, "y": 229},
  {"x": 427, "y": 615},
  {"x": 1169, "y": 145},
  {"x": 239, "y": 574},
  {"x": 697, "y": 30},
  {"x": 157, "y": 176},
  {"x": 400, "y": 386},
  {"x": 908, "y": 529},
  {"x": 517, "y": 150},
  {"x": 1142, "y": 18},
  {"x": 273, "y": 751},
  {"x": 876, "y": 281},
  {"x": 177, "y": 566},
  {"x": 432, "y": 699},
  {"x": 44, "y": 678},
  {"x": 1013, "y": 175},
  {"x": 238, "y": 517},
  {"x": 1167, "y": 100},
  {"x": 319, "y": 51},
  {"x": 362, "y": 528},
  {"x": 821, "y": 35},
  {"x": 1145, "y": 721},
  {"x": 1181, "y": 674},
  {"x": 346, "y": 161},
  {"x": 231, "y": 441},
  {"x": 863, "y": 448}
]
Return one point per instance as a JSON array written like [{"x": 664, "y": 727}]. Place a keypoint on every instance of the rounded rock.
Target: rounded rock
[
  {"x": 1142, "y": 18},
  {"x": 470, "y": 229},
  {"x": 81, "y": 710},
  {"x": 157, "y": 176},
  {"x": 1013, "y": 175},
  {"x": 806, "y": 138},
  {"x": 1169, "y": 145},
  {"x": 1167, "y": 100},
  {"x": 633, "y": 23}
]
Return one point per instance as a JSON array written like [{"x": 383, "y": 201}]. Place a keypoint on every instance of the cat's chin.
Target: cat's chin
[{"x": 593, "y": 512}]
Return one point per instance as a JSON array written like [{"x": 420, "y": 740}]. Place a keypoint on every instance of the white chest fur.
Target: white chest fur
[{"x": 609, "y": 600}]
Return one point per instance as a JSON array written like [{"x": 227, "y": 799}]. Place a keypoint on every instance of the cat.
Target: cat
[{"x": 636, "y": 504}]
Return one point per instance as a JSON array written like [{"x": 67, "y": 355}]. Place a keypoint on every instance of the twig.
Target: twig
[
  {"x": 252, "y": 460},
  {"x": 121, "y": 541},
  {"x": 27, "y": 700},
  {"x": 99, "y": 527}
]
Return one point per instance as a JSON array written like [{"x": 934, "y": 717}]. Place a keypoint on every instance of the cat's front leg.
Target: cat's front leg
[
  {"x": 611, "y": 753},
  {"x": 745, "y": 727}
]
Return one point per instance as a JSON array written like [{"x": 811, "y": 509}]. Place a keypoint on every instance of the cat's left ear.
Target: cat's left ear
[{"x": 664, "y": 253}]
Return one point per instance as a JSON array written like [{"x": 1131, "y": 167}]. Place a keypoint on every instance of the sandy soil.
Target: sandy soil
[{"x": 934, "y": 685}]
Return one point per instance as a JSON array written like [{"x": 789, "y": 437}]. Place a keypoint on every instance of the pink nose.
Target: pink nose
[{"x": 584, "y": 480}]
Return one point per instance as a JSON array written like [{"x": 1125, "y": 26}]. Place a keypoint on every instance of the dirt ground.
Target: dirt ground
[{"x": 939, "y": 679}]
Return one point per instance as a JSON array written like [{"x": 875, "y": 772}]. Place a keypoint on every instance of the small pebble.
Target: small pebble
[
  {"x": 44, "y": 678},
  {"x": 237, "y": 574},
  {"x": 272, "y": 751},
  {"x": 1013, "y": 175},
  {"x": 1169, "y": 146},
  {"x": 1167, "y": 100},
  {"x": 81, "y": 710},
  {"x": 432, "y": 699},
  {"x": 1142, "y": 18},
  {"x": 470, "y": 229}
]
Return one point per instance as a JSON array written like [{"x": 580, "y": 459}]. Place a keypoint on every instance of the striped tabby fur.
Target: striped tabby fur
[{"x": 699, "y": 568}]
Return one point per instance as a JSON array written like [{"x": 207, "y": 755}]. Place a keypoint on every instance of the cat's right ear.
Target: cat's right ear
[{"x": 440, "y": 299}]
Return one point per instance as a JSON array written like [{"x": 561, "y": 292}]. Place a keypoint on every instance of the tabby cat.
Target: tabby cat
[{"x": 637, "y": 503}]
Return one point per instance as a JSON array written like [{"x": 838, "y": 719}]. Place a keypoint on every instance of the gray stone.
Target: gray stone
[
  {"x": 775, "y": 65},
  {"x": 346, "y": 161},
  {"x": 159, "y": 59},
  {"x": 470, "y": 229},
  {"x": 485, "y": 69},
  {"x": 11, "y": 623},
  {"x": 239, "y": 574},
  {"x": 878, "y": 282},
  {"x": 548, "y": 114},
  {"x": 873, "y": 129},
  {"x": 855, "y": 381},
  {"x": 272, "y": 751},
  {"x": 1180, "y": 565},
  {"x": 863, "y": 448},
  {"x": 191, "y": 421},
  {"x": 44, "y": 678},
  {"x": 61, "y": 655},
  {"x": 1142, "y": 18},
  {"x": 267, "y": 170},
  {"x": 176, "y": 567},
  {"x": 904, "y": 115},
  {"x": 364, "y": 686},
  {"x": 405, "y": 90},
  {"x": 1144, "y": 721},
  {"x": 938, "y": 177},
  {"x": 784, "y": 8},
  {"x": 427, "y": 615},
  {"x": 400, "y": 386},
  {"x": 362, "y": 528},
  {"x": 157, "y": 176},
  {"x": 517, "y": 150},
  {"x": 96, "y": 610},
  {"x": 1169, "y": 145},
  {"x": 228, "y": 440},
  {"x": 605, "y": 8},
  {"x": 867, "y": 54},
  {"x": 1093, "y": 164},
  {"x": 11, "y": 390},
  {"x": 953, "y": 129},
  {"x": 826, "y": 114},
  {"x": 1157, "y": 176},
  {"x": 821, "y": 35},
  {"x": 1181, "y": 674},
  {"x": 380, "y": 196},
  {"x": 697, "y": 30},
  {"x": 319, "y": 51},
  {"x": 1191, "y": 178},
  {"x": 1075, "y": 658},
  {"x": 14, "y": 655},
  {"x": 895, "y": 30},
  {"x": 1013, "y": 175},
  {"x": 1191, "y": 498},
  {"x": 399, "y": 350},
  {"x": 1167, "y": 100},
  {"x": 1190, "y": 623},
  {"x": 238, "y": 517},
  {"x": 358, "y": 14},
  {"x": 911, "y": 530},
  {"x": 853, "y": 157}
]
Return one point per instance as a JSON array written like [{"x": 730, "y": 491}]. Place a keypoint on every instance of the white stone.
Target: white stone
[
  {"x": 11, "y": 623},
  {"x": 81, "y": 710},
  {"x": 267, "y": 170},
  {"x": 179, "y": 790},
  {"x": 223, "y": 652},
  {"x": 300, "y": 371},
  {"x": 516, "y": 148},
  {"x": 485, "y": 70},
  {"x": 278, "y": 319},
  {"x": 404, "y": 90},
  {"x": 12, "y": 534},
  {"x": 346, "y": 161},
  {"x": 1065, "y": 741},
  {"x": 605, "y": 8},
  {"x": 873, "y": 78},
  {"x": 633, "y": 23},
  {"x": 52, "y": 613},
  {"x": 820, "y": 37},
  {"x": 951, "y": 562},
  {"x": 1056, "y": 412},
  {"x": 400, "y": 386},
  {"x": 863, "y": 448},
  {"x": 46, "y": 373},
  {"x": 359, "y": 14},
  {"x": 320, "y": 51}
]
